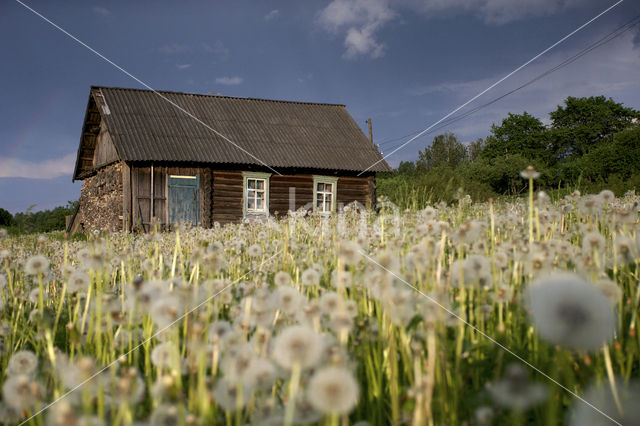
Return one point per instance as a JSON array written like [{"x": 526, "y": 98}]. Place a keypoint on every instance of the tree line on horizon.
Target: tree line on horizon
[
  {"x": 36, "y": 222},
  {"x": 591, "y": 143}
]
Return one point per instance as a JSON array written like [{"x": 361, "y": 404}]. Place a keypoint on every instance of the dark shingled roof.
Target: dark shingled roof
[{"x": 145, "y": 127}]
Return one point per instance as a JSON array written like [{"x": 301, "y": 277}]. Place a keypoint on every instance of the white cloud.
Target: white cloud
[
  {"x": 494, "y": 11},
  {"x": 101, "y": 11},
  {"x": 183, "y": 66},
  {"x": 358, "y": 21},
  {"x": 173, "y": 48},
  {"x": 218, "y": 48},
  {"x": 229, "y": 81},
  {"x": 272, "y": 15},
  {"x": 46, "y": 169},
  {"x": 304, "y": 78}
]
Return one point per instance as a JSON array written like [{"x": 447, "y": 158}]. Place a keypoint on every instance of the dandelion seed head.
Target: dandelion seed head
[
  {"x": 22, "y": 363},
  {"x": 282, "y": 278},
  {"x": 529, "y": 173},
  {"x": 601, "y": 396},
  {"x": 569, "y": 311},
  {"x": 341, "y": 279},
  {"x": 310, "y": 277},
  {"x": 254, "y": 250},
  {"x": 227, "y": 395},
  {"x": 22, "y": 393},
  {"x": 289, "y": 300},
  {"x": 515, "y": 391},
  {"x": 297, "y": 344},
  {"x": 163, "y": 354},
  {"x": 78, "y": 281},
  {"x": 349, "y": 253},
  {"x": 260, "y": 374},
  {"x": 165, "y": 311},
  {"x": 329, "y": 302},
  {"x": 333, "y": 390},
  {"x": 36, "y": 265}
]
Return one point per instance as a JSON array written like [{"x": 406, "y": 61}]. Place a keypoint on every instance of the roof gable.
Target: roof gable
[{"x": 145, "y": 127}]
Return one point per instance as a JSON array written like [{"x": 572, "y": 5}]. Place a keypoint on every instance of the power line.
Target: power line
[{"x": 606, "y": 39}]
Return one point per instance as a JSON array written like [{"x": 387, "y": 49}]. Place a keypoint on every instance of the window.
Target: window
[
  {"x": 324, "y": 194},
  {"x": 256, "y": 193}
]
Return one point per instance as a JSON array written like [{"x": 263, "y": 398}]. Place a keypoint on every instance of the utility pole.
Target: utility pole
[{"x": 370, "y": 132}]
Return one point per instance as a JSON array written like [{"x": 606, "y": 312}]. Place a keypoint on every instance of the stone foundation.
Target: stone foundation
[{"x": 101, "y": 200}]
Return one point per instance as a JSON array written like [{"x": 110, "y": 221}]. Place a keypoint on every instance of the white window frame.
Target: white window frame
[
  {"x": 329, "y": 180},
  {"x": 246, "y": 176}
]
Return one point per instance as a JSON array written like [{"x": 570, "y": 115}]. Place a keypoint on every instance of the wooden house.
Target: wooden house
[{"x": 177, "y": 157}]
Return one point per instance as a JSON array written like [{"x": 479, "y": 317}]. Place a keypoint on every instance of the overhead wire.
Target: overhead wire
[{"x": 606, "y": 39}]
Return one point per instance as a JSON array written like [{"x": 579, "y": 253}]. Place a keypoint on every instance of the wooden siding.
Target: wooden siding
[
  {"x": 281, "y": 191},
  {"x": 141, "y": 194},
  {"x": 352, "y": 189},
  {"x": 105, "y": 152},
  {"x": 227, "y": 196},
  {"x": 221, "y": 194},
  {"x": 285, "y": 192}
]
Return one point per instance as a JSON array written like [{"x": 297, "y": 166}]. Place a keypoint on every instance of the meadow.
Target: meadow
[{"x": 522, "y": 311}]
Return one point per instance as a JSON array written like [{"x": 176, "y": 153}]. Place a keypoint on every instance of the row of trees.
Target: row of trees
[
  {"x": 590, "y": 143},
  {"x": 41, "y": 221}
]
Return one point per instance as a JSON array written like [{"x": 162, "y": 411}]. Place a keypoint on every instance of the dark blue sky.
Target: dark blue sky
[{"x": 404, "y": 63}]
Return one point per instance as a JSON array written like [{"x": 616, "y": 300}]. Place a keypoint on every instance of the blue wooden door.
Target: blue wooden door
[{"x": 184, "y": 199}]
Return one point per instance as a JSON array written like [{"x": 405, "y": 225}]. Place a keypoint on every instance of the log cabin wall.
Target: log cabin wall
[
  {"x": 280, "y": 191},
  {"x": 101, "y": 200},
  {"x": 355, "y": 188},
  {"x": 221, "y": 194},
  {"x": 140, "y": 194},
  {"x": 227, "y": 196}
]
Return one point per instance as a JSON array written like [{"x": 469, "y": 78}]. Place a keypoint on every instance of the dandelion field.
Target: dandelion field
[{"x": 514, "y": 312}]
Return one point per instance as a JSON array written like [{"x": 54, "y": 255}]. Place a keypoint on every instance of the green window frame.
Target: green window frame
[
  {"x": 325, "y": 189},
  {"x": 255, "y": 193}
]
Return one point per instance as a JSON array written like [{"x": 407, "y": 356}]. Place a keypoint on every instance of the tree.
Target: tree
[
  {"x": 475, "y": 148},
  {"x": 406, "y": 168},
  {"x": 6, "y": 219},
  {"x": 582, "y": 123},
  {"x": 445, "y": 150},
  {"x": 518, "y": 134}
]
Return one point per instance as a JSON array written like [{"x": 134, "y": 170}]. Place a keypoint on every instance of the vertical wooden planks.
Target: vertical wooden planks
[{"x": 126, "y": 197}]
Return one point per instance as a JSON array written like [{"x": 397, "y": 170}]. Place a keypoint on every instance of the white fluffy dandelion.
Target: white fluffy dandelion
[
  {"x": 515, "y": 391},
  {"x": 260, "y": 374},
  {"x": 163, "y": 354},
  {"x": 21, "y": 393},
  {"x": 569, "y": 311},
  {"x": 289, "y": 300},
  {"x": 529, "y": 173},
  {"x": 78, "y": 281},
  {"x": 282, "y": 278},
  {"x": 601, "y": 396},
  {"x": 22, "y": 363},
  {"x": 333, "y": 390},
  {"x": 165, "y": 311},
  {"x": 349, "y": 253},
  {"x": 310, "y": 277},
  {"x": 297, "y": 345},
  {"x": 254, "y": 250},
  {"x": 36, "y": 265}
]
